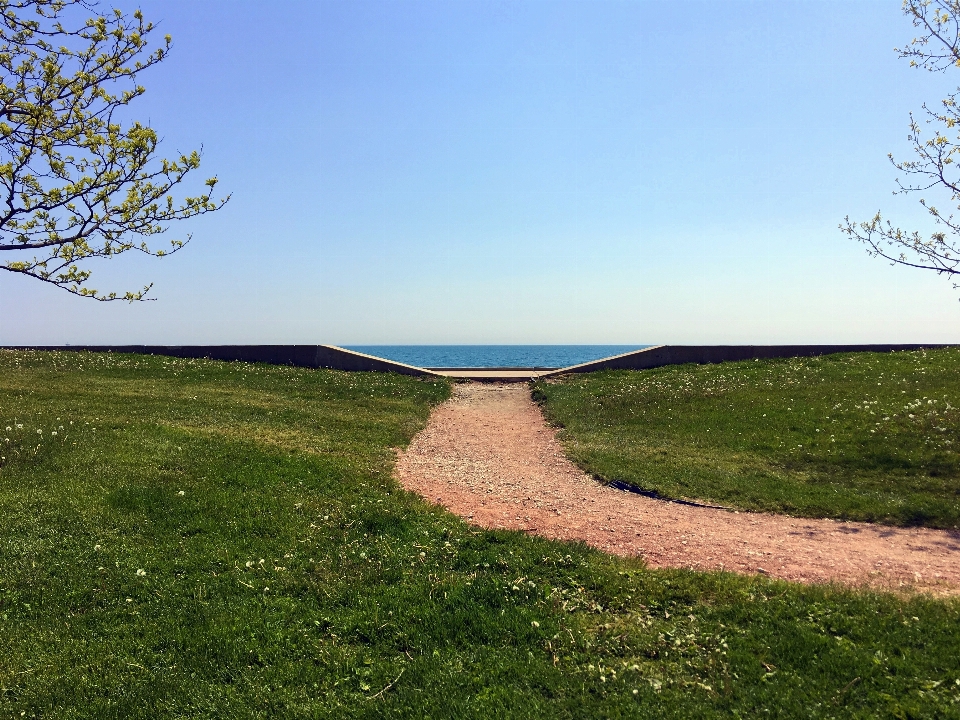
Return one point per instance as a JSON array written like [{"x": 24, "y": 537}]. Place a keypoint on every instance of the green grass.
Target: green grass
[
  {"x": 220, "y": 540},
  {"x": 867, "y": 436}
]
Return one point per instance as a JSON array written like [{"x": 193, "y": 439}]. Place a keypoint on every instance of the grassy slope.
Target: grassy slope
[
  {"x": 291, "y": 578},
  {"x": 862, "y": 436}
]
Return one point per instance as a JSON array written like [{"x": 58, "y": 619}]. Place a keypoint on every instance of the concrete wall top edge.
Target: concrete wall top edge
[{"x": 425, "y": 371}]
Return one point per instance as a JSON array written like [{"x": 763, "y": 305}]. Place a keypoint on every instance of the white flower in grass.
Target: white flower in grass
[
  {"x": 9, "y": 429},
  {"x": 181, "y": 493},
  {"x": 141, "y": 572}
]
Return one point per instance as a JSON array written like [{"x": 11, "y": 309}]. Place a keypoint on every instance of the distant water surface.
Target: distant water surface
[{"x": 478, "y": 356}]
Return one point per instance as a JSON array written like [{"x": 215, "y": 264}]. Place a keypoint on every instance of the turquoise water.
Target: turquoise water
[{"x": 478, "y": 356}]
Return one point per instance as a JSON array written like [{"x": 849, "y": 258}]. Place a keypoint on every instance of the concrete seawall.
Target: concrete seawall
[
  {"x": 661, "y": 355},
  {"x": 336, "y": 358},
  {"x": 311, "y": 356}
]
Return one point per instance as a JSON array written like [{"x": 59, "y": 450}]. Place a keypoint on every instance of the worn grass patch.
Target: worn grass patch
[
  {"x": 205, "y": 539},
  {"x": 862, "y": 436}
]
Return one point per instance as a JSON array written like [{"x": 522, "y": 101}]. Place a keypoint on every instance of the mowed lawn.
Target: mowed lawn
[
  {"x": 861, "y": 436},
  {"x": 220, "y": 540}
]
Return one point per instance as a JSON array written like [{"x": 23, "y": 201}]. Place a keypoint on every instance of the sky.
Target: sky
[{"x": 524, "y": 172}]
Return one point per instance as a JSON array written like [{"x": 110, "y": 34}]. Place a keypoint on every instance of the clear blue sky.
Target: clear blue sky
[{"x": 525, "y": 172}]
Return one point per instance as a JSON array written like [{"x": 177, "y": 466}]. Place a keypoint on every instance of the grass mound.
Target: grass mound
[
  {"x": 863, "y": 436},
  {"x": 204, "y": 539}
]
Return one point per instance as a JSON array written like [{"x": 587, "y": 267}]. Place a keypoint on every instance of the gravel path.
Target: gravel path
[{"x": 488, "y": 455}]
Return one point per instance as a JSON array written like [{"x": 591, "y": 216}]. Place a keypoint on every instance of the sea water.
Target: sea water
[{"x": 499, "y": 356}]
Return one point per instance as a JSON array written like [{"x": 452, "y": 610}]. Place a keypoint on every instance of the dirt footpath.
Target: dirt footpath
[{"x": 488, "y": 455}]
